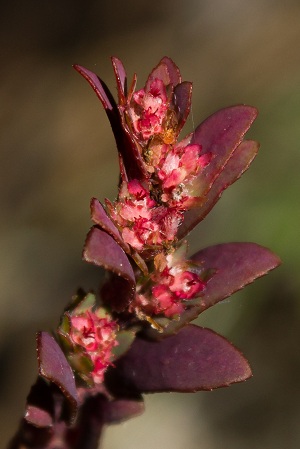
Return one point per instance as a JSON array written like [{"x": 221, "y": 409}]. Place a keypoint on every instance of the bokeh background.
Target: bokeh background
[{"x": 57, "y": 151}]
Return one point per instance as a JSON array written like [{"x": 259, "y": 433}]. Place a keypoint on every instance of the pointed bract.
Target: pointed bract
[
  {"x": 99, "y": 87},
  {"x": 121, "y": 78}
]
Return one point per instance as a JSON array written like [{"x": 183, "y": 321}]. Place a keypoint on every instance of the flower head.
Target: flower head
[
  {"x": 171, "y": 287},
  {"x": 95, "y": 337},
  {"x": 148, "y": 109},
  {"x": 91, "y": 334}
]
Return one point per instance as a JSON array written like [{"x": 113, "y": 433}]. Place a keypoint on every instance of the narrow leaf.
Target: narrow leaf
[
  {"x": 194, "y": 359},
  {"x": 98, "y": 86},
  {"x": 121, "y": 79},
  {"x": 126, "y": 145}
]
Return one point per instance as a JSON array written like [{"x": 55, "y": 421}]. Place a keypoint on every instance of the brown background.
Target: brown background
[{"x": 57, "y": 151}]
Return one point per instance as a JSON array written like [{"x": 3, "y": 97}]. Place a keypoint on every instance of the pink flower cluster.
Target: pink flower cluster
[
  {"x": 148, "y": 214},
  {"x": 148, "y": 109},
  {"x": 174, "y": 281},
  {"x": 143, "y": 222},
  {"x": 96, "y": 337}
]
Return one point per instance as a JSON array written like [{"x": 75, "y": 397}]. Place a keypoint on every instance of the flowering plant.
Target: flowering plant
[{"x": 135, "y": 336}]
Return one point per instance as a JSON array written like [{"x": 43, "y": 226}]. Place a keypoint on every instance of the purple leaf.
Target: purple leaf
[
  {"x": 120, "y": 410},
  {"x": 161, "y": 71},
  {"x": 182, "y": 100},
  {"x": 40, "y": 405},
  {"x": 100, "y": 217},
  {"x": 102, "y": 250},
  {"x": 86, "y": 432},
  {"x": 233, "y": 170},
  {"x": 236, "y": 265},
  {"x": 219, "y": 135},
  {"x": 173, "y": 70},
  {"x": 117, "y": 293},
  {"x": 121, "y": 79},
  {"x": 54, "y": 367},
  {"x": 192, "y": 360},
  {"x": 38, "y": 417},
  {"x": 98, "y": 86},
  {"x": 127, "y": 147}
]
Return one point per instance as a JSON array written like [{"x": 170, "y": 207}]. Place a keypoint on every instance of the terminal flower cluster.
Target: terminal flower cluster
[{"x": 150, "y": 209}]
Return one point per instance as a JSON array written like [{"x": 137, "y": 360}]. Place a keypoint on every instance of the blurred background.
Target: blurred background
[{"x": 57, "y": 151}]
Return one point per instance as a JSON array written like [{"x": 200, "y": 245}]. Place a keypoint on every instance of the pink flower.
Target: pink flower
[
  {"x": 185, "y": 284},
  {"x": 95, "y": 337},
  {"x": 83, "y": 331},
  {"x": 143, "y": 223},
  {"x": 173, "y": 283},
  {"x": 167, "y": 303},
  {"x": 148, "y": 109},
  {"x": 179, "y": 166}
]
